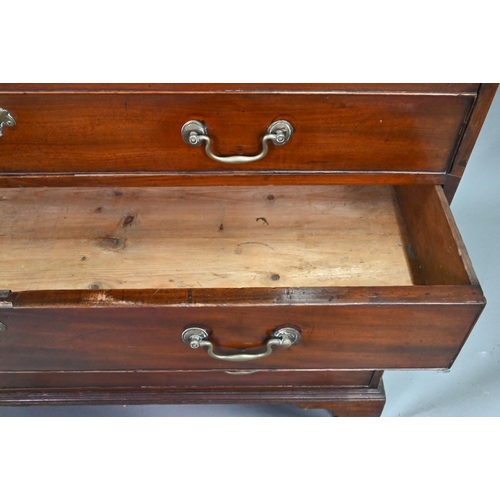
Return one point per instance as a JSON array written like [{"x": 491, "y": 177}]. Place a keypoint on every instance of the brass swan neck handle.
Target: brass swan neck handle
[
  {"x": 197, "y": 337},
  {"x": 195, "y": 133}
]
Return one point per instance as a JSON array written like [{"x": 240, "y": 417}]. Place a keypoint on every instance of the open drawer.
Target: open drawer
[{"x": 98, "y": 279}]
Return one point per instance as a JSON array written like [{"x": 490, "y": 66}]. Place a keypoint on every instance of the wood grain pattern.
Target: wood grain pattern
[
  {"x": 200, "y": 238},
  {"x": 137, "y": 132},
  {"x": 434, "y": 240},
  {"x": 335, "y": 336}
]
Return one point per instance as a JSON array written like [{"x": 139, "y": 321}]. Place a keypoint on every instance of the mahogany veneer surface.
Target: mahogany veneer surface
[{"x": 105, "y": 132}]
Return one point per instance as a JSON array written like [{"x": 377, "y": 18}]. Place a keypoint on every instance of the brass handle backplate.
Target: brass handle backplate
[
  {"x": 197, "y": 337},
  {"x": 6, "y": 119},
  {"x": 195, "y": 133}
]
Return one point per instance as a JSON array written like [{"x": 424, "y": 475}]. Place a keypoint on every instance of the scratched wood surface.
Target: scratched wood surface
[
  {"x": 208, "y": 88},
  {"x": 132, "y": 238}
]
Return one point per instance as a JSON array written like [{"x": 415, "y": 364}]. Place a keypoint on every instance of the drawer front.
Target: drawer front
[
  {"x": 344, "y": 131},
  {"x": 335, "y": 336}
]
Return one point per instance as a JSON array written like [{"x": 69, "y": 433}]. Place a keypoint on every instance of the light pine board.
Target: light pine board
[{"x": 77, "y": 238}]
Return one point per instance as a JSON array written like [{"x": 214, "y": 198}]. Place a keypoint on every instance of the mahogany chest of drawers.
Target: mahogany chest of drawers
[{"x": 231, "y": 243}]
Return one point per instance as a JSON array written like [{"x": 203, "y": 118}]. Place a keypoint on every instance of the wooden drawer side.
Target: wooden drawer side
[{"x": 435, "y": 246}]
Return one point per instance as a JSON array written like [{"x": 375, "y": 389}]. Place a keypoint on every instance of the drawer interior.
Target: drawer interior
[{"x": 228, "y": 237}]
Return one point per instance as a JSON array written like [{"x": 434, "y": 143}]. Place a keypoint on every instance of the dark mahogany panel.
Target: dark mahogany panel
[
  {"x": 140, "y": 132},
  {"x": 335, "y": 336}
]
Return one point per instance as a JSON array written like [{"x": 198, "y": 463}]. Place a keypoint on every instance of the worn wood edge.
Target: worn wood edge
[
  {"x": 246, "y": 92},
  {"x": 377, "y": 375},
  {"x": 198, "y": 370},
  {"x": 348, "y": 296},
  {"x": 457, "y": 89},
  {"x": 217, "y": 178},
  {"x": 310, "y": 398},
  {"x": 473, "y": 127},
  {"x": 69, "y": 380}
]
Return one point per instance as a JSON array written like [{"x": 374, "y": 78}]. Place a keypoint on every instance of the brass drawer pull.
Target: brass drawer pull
[
  {"x": 198, "y": 337},
  {"x": 195, "y": 132},
  {"x": 6, "y": 119}
]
